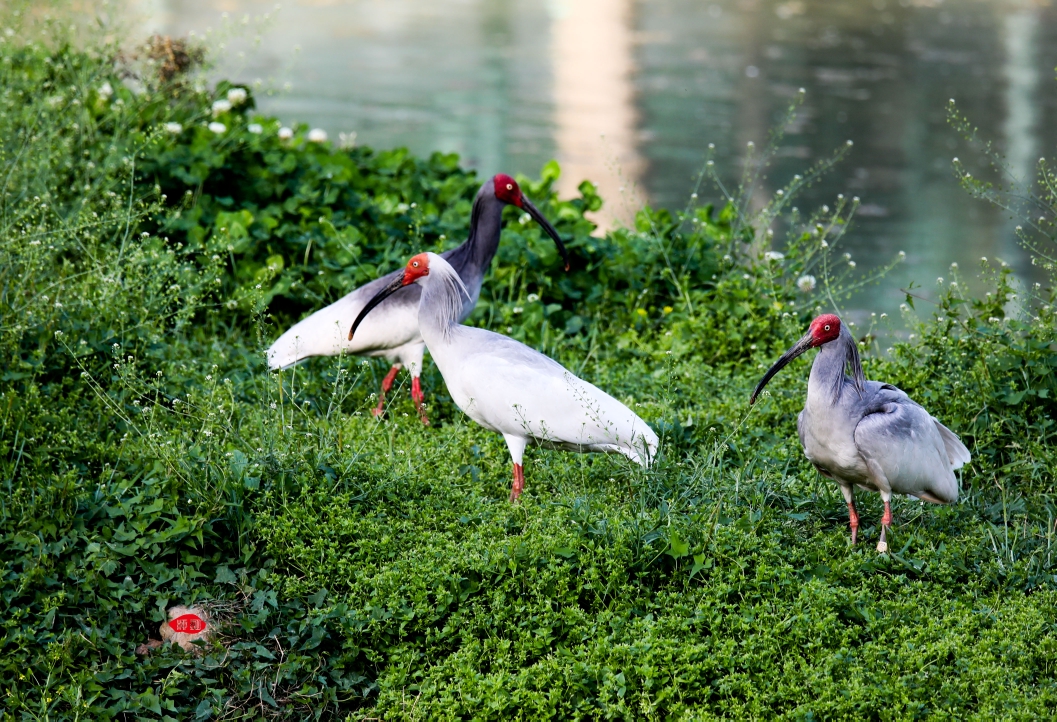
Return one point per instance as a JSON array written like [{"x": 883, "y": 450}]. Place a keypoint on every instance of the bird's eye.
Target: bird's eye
[
  {"x": 510, "y": 186},
  {"x": 827, "y": 327},
  {"x": 415, "y": 264}
]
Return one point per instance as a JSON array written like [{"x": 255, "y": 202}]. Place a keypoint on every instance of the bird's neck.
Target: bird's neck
[
  {"x": 441, "y": 305},
  {"x": 486, "y": 222},
  {"x": 828, "y": 377}
]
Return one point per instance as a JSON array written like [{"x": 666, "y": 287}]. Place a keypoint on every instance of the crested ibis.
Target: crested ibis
[
  {"x": 392, "y": 331},
  {"x": 507, "y": 387},
  {"x": 868, "y": 434}
]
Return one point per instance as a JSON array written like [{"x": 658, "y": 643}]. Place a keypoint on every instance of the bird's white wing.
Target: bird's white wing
[
  {"x": 507, "y": 387},
  {"x": 326, "y": 332},
  {"x": 904, "y": 441}
]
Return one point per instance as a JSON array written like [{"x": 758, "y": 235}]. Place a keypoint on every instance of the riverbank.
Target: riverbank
[{"x": 156, "y": 237}]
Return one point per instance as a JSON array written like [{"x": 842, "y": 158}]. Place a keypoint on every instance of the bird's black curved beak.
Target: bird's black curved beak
[
  {"x": 551, "y": 230},
  {"x": 798, "y": 348},
  {"x": 396, "y": 284}
]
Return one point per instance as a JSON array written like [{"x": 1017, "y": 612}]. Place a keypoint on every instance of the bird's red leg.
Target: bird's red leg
[
  {"x": 387, "y": 383},
  {"x": 853, "y": 522},
  {"x": 886, "y": 521},
  {"x": 519, "y": 483},
  {"x": 418, "y": 397}
]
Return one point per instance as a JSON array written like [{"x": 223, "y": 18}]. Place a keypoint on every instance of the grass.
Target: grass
[{"x": 365, "y": 569}]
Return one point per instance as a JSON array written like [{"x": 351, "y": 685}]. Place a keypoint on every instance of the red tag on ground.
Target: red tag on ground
[{"x": 188, "y": 624}]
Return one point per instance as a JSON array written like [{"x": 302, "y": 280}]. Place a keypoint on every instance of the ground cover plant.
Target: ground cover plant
[{"x": 153, "y": 241}]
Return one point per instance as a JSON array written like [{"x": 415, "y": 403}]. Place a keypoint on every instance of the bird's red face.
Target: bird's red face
[
  {"x": 506, "y": 190},
  {"x": 824, "y": 329},
  {"x": 416, "y": 268}
]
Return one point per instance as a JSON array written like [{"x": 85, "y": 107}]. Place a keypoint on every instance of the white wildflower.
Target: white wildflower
[
  {"x": 220, "y": 106},
  {"x": 317, "y": 135},
  {"x": 532, "y": 298},
  {"x": 774, "y": 255},
  {"x": 255, "y": 128},
  {"x": 218, "y": 128},
  {"x": 940, "y": 280},
  {"x": 285, "y": 134},
  {"x": 106, "y": 90},
  {"x": 237, "y": 96},
  {"x": 806, "y": 283},
  {"x": 851, "y": 264}
]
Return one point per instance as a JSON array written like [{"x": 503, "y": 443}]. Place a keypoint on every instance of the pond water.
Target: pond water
[{"x": 630, "y": 94}]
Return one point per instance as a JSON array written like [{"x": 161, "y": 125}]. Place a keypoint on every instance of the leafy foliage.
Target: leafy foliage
[{"x": 374, "y": 569}]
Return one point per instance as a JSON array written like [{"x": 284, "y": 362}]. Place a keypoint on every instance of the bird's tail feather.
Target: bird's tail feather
[{"x": 956, "y": 451}]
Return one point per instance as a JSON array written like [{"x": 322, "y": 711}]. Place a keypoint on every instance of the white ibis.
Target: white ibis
[
  {"x": 393, "y": 329},
  {"x": 868, "y": 434},
  {"x": 506, "y": 386}
]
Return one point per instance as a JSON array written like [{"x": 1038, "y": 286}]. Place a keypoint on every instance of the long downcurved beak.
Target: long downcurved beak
[
  {"x": 385, "y": 293},
  {"x": 798, "y": 348},
  {"x": 551, "y": 231}
]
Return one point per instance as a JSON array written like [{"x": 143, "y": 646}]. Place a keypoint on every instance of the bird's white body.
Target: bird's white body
[
  {"x": 510, "y": 388},
  {"x": 391, "y": 331},
  {"x": 393, "y": 335},
  {"x": 507, "y": 387}
]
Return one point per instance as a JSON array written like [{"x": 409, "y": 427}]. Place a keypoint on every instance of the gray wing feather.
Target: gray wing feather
[
  {"x": 902, "y": 438},
  {"x": 956, "y": 450},
  {"x": 884, "y": 394}
]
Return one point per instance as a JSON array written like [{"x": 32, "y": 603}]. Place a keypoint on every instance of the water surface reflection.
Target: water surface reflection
[{"x": 630, "y": 94}]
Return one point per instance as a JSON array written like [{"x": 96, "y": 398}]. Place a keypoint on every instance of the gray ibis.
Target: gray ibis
[
  {"x": 868, "y": 434},
  {"x": 392, "y": 331},
  {"x": 507, "y": 387}
]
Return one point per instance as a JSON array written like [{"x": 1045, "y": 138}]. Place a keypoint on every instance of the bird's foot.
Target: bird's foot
[
  {"x": 519, "y": 483},
  {"x": 853, "y": 522},
  {"x": 886, "y": 521},
  {"x": 418, "y": 397},
  {"x": 387, "y": 383}
]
